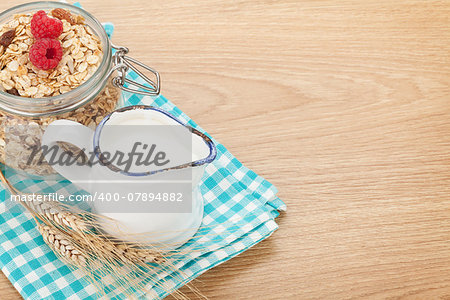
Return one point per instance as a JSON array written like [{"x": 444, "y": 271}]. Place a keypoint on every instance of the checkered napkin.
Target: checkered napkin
[{"x": 240, "y": 208}]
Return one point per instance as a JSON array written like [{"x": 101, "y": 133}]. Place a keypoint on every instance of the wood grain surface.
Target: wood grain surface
[{"x": 344, "y": 106}]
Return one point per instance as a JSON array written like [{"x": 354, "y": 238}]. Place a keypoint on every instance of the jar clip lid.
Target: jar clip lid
[{"x": 122, "y": 63}]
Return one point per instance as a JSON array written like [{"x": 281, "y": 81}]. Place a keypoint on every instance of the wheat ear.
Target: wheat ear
[
  {"x": 132, "y": 253},
  {"x": 58, "y": 214},
  {"x": 62, "y": 245},
  {"x": 54, "y": 211}
]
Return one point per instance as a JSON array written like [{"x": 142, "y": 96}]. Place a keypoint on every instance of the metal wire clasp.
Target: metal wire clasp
[{"x": 122, "y": 63}]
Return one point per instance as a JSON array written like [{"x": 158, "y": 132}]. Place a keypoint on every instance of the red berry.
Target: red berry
[
  {"x": 43, "y": 26},
  {"x": 46, "y": 53}
]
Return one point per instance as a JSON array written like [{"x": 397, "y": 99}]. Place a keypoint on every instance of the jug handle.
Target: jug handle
[{"x": 77, "y": 135}]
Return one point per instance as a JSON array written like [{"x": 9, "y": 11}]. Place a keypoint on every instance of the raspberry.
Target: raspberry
[
  {"x": 43, "y": 26},
  {"x": 46, "y": 53}
]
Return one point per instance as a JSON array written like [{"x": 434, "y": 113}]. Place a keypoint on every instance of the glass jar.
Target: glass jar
[{"x": 24, "y": 119}]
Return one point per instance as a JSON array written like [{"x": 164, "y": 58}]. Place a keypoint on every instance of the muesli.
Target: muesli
[
  {"x": 82, "y": 54},
  {"x": 45, "y": 54}
]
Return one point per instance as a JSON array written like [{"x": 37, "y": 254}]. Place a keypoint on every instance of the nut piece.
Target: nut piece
[
  {"x": 80, "y": 19},
  {"x": 7, "y": 38},
  {"x": 63, "y": 14}
]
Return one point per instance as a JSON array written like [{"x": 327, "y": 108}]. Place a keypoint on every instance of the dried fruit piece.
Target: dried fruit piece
[
  {"x": 46, "y": 54},
  {"x": 7, "y": 38},
  {"x": 63, "y": 14},
  {"x": 44, "y": 27},
  {"x": 13, "y": 91}
]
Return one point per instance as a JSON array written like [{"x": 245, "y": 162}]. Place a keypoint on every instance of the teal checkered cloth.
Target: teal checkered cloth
[{"x": 240, "y": 208}]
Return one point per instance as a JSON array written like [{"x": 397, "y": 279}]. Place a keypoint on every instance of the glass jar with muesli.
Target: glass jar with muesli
[{"x": 56, "y": 62}]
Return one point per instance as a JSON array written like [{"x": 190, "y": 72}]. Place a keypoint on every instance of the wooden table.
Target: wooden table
[{"x": 344, "y": 106}]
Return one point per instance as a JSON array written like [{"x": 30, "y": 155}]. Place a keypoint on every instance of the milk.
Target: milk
[{"x": 150, "y": 127}]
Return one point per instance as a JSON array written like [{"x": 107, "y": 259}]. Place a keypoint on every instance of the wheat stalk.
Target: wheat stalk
[
  {"x": 49, "y": 212},
  {"x": 121, "y": 251}
]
